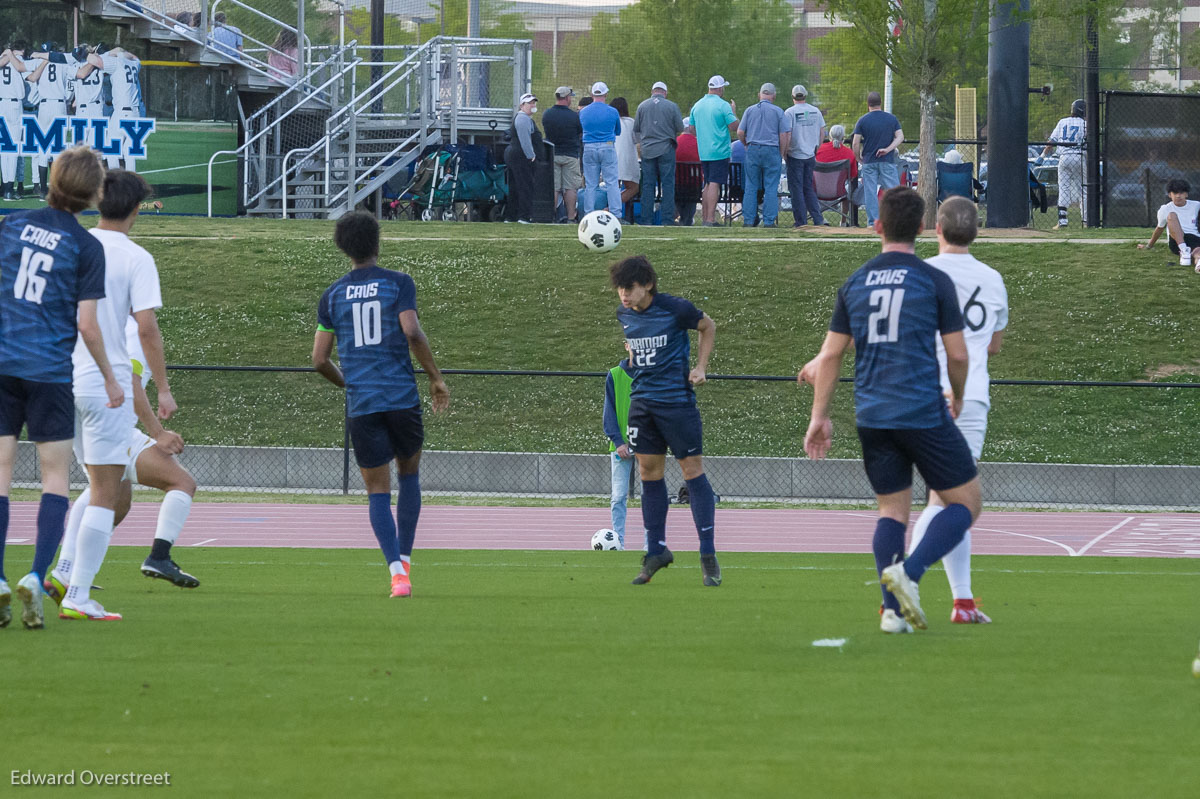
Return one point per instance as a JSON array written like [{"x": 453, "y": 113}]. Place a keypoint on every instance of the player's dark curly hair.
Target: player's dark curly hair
[
  {"x": 1176, "y": 185},
  {"x": 633, "y": 270},
  {"x": 357, "y": 235},
  {"x": 900, "y": 213},
  {"x": 123, "y": 193}
]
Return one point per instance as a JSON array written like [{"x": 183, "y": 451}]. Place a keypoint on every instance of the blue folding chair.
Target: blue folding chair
[{"x": 956, "y": 180}]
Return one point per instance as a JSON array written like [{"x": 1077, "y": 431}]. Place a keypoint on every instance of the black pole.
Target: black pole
[
  {"x": 1092, "y": 93},
  {"x": 1008, "y": 116},
  {"x": 376, "y": 44}
]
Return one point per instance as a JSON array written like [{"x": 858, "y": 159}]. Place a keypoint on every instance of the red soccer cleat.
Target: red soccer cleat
[{"x": 965, "y": 612}]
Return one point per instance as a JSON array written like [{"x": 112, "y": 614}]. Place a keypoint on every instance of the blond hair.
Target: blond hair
[
  {"x": 76, "y": 180},
  {"x": 959, "y": 221}
]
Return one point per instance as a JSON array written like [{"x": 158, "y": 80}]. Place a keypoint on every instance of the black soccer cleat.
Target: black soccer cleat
[
  {"x": 711, "y": 569},
  {"x": 167, "y": 569},
  {"x": 651, "y": 564}
]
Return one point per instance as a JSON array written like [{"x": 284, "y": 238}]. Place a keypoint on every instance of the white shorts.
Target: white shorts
[
  {"x": 972, "y": 423},
  {"x": 101, "y": 433},
  {"x": 139, "y": 442}
]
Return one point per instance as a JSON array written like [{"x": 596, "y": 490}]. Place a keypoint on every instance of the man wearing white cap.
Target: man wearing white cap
[
  {"x": 601, "y": 126},
  {"x": 656, "y": 125},
  {"x": 714, "y": 119},
  {"x": 561, "y": 126},
  {"x": 808, "y": 130},
  {"x": 766, "y": 131}
]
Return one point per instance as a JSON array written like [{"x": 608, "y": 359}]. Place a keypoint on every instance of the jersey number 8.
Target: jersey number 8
[
  {"x": 29, "y": 285},
  {"x": 368, "y": 323}
]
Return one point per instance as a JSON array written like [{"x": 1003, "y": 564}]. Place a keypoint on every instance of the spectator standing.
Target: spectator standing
[
  {"x": 714, "y": 119},
  {"x": 284, "y": 60},
  {"x": 877, "y": 134},
  {"x": 562, "y": 128},
  {"x": 627, "y": 157},
  {"x": 766, "y": 132},
  {"x": 686, "y": 152},
  {"x": 657, "y": 124},
  {"x": 519, "y": 157},
  {"x": 808, "y": 129},
  {"x": 831, "y": 152},
  {"x": 601, "y": 127},
  {"x": 225, "y": 39}
]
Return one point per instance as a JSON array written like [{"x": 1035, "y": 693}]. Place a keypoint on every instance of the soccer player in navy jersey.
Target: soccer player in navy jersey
[
  {"x": 892, "y": 309},
  {"x": 51, "y": 276},
  {"x": 373, "y": 314},
  {"x": 662, "y": 407}
]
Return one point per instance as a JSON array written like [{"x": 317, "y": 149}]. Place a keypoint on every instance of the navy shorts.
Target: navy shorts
[
  {"x": 45, "y": 410},
  {"x": 1190, "y": 239},
  {"x": 940, "y": 453},
  {"x": 652, "y": 428},
  {"x": 380, "y": 437},
  {"x": 715, "y": 171}
]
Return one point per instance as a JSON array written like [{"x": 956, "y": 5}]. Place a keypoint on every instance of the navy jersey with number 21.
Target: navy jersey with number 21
[
  {"x": 362, "y": 310},
  {"x": 895, "y": 306}
]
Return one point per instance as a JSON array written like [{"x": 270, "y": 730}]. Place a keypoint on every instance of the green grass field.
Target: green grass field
[
  {"x": 494, "y": 297},
  {"x": 520, "y": 674}
]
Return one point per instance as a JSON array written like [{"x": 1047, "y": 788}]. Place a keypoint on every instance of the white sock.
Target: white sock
[
  {"x": 396, "y": 567},
  {"x": 923, "y": 522},
  {"x": 95, "y": 531},
  {"x": 172, "y": 515},
  {"x": 66, "y": 557},
  {"x": 958, "y": 568}
]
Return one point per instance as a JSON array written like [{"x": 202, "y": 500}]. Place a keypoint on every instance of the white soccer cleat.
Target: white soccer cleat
[
  {"x": 1185, "y": 255},
  {"x": 29, "y": 589},
  {"x": 905, "y": 590},
  {"x": 5, "y": 604},
  {"x": 893, "y": 624},
  {"x": 87, "y": 611}
]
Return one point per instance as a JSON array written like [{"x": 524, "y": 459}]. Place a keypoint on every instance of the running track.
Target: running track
[{"x": 213, "y": 524}]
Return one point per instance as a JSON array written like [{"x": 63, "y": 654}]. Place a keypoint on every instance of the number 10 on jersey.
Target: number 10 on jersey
[{"x": 368, "y": 322}]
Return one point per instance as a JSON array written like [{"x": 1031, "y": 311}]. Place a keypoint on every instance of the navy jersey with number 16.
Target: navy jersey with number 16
[
  {"x": 895, "y": 306},
  {"x": 362, "y": 310},
  {"x": 658, "y": 337}
]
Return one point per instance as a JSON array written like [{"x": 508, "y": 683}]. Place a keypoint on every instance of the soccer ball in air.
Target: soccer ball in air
[
  {"x": 605, "y": 539},
  {"x": 600, "y": 231}
]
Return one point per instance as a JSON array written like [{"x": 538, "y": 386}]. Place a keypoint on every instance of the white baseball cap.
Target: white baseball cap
[
  {"x": 599, "y": 88},
  {"x": 658, "y": 84},
  {"x": 527, "y": 98},
  {"x": 716, "y": 82},
  {"x": 799, "y": 91}
]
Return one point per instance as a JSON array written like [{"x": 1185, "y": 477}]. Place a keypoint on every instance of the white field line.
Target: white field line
[{"x": 1106, "y": 533}]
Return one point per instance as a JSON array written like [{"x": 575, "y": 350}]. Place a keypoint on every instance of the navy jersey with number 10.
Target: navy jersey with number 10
[
  {"x": 363, "y": 311},
  {"x": 48, "y": 263},
  {"x": 658, "y": 337},
  {"x": 895, "y": 306}
]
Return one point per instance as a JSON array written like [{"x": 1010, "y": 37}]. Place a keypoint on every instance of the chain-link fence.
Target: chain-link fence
[{"x": 538, "y": 434}]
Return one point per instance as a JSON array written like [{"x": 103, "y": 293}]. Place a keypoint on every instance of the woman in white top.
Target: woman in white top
[{"x": 628, "y": 168}]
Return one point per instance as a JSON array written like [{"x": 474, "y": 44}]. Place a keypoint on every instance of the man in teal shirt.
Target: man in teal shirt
[{"x": 714, "y": 119}]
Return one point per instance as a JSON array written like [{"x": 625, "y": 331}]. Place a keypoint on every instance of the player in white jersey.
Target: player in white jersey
[
  {"x": 1069, "y": 135},
  {"x": 124, "y": 75},
  {"x": 12, "y": 95},
  {"x": 53, "y": 92},
  {"x": 149, "y": 460},
  {"x": 984, "y": 302},
  {"x": 1179, "y": 218},
  {"x": 89, "y": 87}
]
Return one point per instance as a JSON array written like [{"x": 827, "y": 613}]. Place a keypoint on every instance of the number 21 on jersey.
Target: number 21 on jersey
[
  {"x": 368, "y": 322},
  {"x": 886, "y": 312}
]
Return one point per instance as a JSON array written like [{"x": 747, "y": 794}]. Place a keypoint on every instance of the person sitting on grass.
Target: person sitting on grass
[{"x": 1179, "y": 218}]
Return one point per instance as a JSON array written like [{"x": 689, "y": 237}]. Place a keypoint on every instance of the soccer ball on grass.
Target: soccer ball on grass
[
  {"x": 600, "y": 231},
  {"x": 605, "y": 540}
]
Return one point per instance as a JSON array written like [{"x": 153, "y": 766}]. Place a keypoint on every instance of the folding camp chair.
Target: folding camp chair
[{"x": 832, "y": 182}]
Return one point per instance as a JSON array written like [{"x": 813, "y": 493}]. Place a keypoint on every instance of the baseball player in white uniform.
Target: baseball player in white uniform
[
  {"x": 54, "y": 88},
  {"x": 984, "y": 302},
  {"x": 1068, "y": 136},
  {"x": 12, "y": 95},
  {"x": 124, "y": 74}
]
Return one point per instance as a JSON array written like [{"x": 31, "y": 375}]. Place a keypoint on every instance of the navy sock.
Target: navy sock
[
  {"x": 889, "y": 548},
  {"x": 3, "y": 532},
  {"x": 384, "y": 527},
  {"x": 408, "y": 510},
  {"x": 51, "y": 524},
  {"x": 654, "y": 515},
  {"x": 943, "y": 535},
  {"x": 700, "y": 497}
]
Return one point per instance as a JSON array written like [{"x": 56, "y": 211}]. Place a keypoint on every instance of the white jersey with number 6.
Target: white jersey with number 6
[{"x": 984, "y": 302}]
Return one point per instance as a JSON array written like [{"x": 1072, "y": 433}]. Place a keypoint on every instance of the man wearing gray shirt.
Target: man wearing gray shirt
[
  {"x": 765, "y": 130},
  {"x": 808, "y": 130},
  {"x": 656, "y": 125}
]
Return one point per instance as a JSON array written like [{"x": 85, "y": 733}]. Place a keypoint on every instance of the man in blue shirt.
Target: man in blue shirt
[
  {"x": 892, "y": 309},
  {"x": 662, "y": 407},
  {"x": 373, "y": 314},
  {"x": 766, "y": 131},
  {"x": 601, "y": 127},
  {"x": 877, "y": 134},
  {"x": 714, "y": 119}
]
